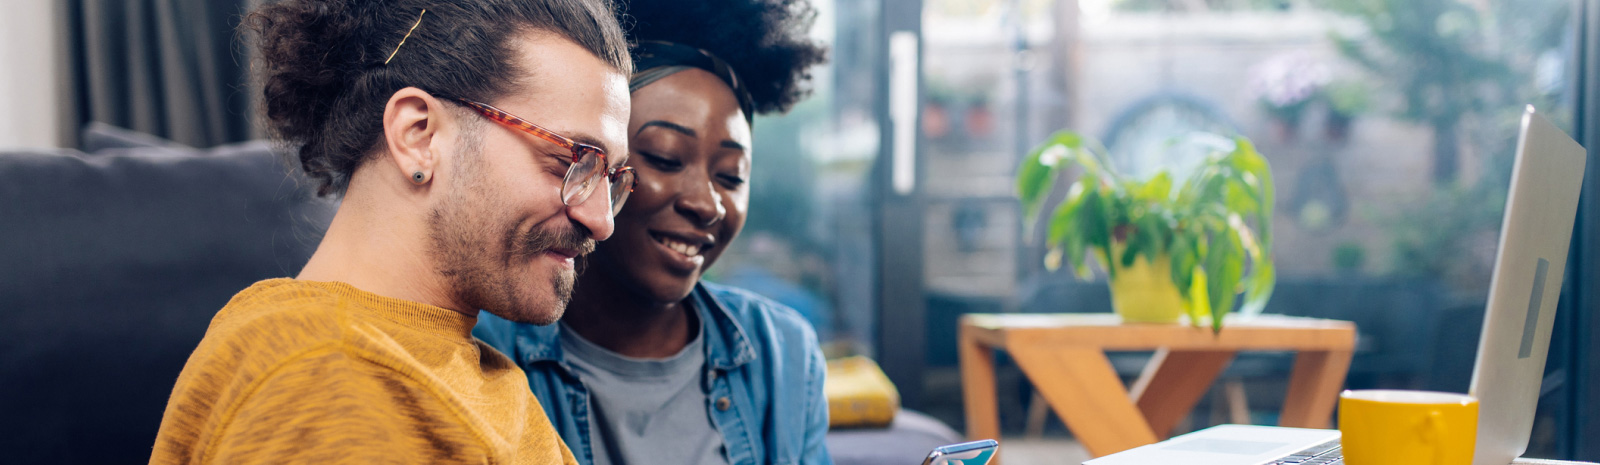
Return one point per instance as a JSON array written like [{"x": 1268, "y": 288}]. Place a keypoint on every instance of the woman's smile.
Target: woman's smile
[{"x": 683, "y": 254}]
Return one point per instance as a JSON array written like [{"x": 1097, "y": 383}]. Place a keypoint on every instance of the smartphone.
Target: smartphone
[{"x": 966, "y": 453}]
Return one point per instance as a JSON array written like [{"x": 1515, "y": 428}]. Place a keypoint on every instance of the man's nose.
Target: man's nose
[{"x": 594, "y": 213}]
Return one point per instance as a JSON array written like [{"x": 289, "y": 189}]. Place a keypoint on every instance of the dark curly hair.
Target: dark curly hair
[
  {"x": 326, "y": 83},
  {"x": 763, "y": 40}
]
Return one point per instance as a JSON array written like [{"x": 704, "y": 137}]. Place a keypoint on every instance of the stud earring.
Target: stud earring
[{"x": 418, "y": 177}]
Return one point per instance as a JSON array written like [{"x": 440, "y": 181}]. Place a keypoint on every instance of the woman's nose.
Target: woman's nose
[{"x": 701, "y": 202}]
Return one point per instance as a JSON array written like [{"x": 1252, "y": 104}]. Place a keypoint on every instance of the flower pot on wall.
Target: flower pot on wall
[{"x": 1337, "y": 127}]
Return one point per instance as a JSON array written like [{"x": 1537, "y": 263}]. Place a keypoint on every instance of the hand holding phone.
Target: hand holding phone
[{"x": 966, "y": 453}]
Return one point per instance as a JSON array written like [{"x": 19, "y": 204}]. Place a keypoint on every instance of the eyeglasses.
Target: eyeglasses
[{"x": 588, "y": 161}]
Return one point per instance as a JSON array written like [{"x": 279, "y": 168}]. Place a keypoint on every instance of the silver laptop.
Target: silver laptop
[{"x": 1528, "y": 271}]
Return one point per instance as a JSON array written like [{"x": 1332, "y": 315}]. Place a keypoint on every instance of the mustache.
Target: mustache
[{"x": 573, "y": 239}]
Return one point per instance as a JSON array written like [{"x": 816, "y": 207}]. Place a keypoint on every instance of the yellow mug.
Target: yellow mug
[{"x": 1384, "y": 427}]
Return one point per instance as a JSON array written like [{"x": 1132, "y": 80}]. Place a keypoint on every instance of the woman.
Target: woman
[{"x": 650, "y": 364}]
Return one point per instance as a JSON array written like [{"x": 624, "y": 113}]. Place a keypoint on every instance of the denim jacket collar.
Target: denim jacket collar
[{"x": 727, "y": 345}]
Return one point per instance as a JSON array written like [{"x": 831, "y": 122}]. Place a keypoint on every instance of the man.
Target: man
[{"x": 449, "y": 205}]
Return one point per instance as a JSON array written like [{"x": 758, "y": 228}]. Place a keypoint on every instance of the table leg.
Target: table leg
[
  {"x": 1173, "y": 382},
  {"x": 1314, "y": 388},
  {"x": 1083, "y": 388},
  {"x": 977, "y": 387}
]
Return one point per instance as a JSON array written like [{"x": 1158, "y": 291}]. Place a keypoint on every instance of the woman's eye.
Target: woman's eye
[
  {"x": 661, "y": 163},
  {"x": 731, "y": 181}
]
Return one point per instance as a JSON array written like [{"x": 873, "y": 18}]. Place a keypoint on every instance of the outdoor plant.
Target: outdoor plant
[
  {"x": 1346, "y": 99},
  {"x": 1448, "y": 61},
  {"x": 1211, "y": 231},
  {"x": 1286, "y": 84}
]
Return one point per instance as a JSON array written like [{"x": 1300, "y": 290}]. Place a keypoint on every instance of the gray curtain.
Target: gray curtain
[{"x": 171, "y": 68}]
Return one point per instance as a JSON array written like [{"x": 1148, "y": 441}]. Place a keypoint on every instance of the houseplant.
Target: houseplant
[{"x": 1169, "y": 248}]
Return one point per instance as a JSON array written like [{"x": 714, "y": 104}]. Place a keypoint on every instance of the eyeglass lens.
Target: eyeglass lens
[
  {"x": 582, "y": 177},
  {"x": 620, "y": 188}
]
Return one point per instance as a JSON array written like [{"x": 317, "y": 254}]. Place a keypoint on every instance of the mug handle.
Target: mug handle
[{"x": 1435, "y": 443}]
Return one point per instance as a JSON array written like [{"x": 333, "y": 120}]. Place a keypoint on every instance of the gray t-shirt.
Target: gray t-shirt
[{"x": 646, "y": 411}]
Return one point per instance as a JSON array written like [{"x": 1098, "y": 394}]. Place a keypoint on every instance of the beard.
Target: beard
[{"x": 484, "y": 257}]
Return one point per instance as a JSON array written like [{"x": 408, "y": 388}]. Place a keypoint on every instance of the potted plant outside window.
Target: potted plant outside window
[{"x": 1169, "y": 248}]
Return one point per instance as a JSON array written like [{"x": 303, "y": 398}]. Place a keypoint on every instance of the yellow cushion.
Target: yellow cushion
[{"x": 859, "y": 394}]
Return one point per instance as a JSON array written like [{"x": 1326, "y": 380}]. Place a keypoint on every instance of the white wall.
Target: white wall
[{"x": 30, "y": 77}]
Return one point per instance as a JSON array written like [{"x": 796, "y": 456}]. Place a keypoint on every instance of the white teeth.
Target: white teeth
[{"x": 685, "y": 249}]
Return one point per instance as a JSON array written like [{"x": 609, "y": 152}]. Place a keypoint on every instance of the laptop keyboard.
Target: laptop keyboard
[{"x": 1327, "y": 453}]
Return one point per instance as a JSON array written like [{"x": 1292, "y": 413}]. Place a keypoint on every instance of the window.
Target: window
[{"x": 1390, "y": 127}]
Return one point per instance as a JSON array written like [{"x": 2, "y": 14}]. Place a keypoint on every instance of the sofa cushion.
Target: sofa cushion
[
  {"x": 111, "y": 267},
  {"x": 97, "y": 136},
  {"x": 908, "y": 440}
]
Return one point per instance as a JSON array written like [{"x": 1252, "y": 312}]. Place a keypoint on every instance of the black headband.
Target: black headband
[{"x": 656, "y": 59}]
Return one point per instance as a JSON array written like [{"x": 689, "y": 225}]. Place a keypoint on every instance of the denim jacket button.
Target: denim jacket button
[{"x": 723, "y": 403}]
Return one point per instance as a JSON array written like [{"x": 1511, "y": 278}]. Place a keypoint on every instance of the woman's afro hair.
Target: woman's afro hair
[{"x": 765, "y": 41}]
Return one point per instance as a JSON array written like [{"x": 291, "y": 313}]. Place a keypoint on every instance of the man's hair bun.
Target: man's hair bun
[{"x": 325, "y": 83}]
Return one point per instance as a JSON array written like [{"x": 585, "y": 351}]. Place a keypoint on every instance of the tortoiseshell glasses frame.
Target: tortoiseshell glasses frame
[{"x": 588, "y": 161}]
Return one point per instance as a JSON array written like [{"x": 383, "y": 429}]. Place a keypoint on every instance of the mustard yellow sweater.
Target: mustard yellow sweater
[{"x": 319, "y": 372}]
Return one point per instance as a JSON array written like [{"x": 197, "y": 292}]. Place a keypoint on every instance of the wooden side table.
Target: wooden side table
[{"x": 1064, "y": 356}]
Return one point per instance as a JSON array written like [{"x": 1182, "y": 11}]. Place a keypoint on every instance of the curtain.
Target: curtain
[
  {"x": 172, "y": 68},
  {"x": 1578, "y": 318}
]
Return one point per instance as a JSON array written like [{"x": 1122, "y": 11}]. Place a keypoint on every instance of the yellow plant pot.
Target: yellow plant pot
[{"x": 1144, "y": 292}]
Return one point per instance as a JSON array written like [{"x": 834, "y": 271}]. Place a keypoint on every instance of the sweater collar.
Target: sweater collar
[{"x": 423, "y": 317}]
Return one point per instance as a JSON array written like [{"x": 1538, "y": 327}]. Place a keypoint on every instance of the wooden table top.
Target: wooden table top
[{"x": 1106, "y": 331}]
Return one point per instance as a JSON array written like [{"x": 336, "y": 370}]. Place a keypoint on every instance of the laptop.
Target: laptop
[{"x": 1528, "y": 272}]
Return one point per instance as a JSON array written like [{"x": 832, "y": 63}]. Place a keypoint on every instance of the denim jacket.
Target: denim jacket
[{"x": 763, "y": 372}]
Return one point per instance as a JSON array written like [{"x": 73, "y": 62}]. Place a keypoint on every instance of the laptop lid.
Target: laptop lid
[
  {"x": 1528, "y": 272},
  {"x": 1223, "y": 445}
]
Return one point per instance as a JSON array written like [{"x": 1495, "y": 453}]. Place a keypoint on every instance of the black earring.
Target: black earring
[{"x": 418, "y": 177}]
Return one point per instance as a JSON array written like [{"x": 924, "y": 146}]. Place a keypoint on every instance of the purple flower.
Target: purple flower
[{"x": 1288, "y": 79}]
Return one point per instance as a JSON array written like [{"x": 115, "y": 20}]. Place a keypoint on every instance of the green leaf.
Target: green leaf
[
  {"x": 1224, "y": 265},
  {"x": 1130, "y": 252},
  {"x": 1062, "y": 220},
  {"x": 1245, "y": 158},
  {"x": 1075, "y": 248},
  {"x": 1158, "y": 232},
  {"x": 1094, "y": 225},
  {"x": 1034, "y": 182},
  {"x": 1157, "y": 189},
  {"x": 1206, "y": 190},
  {"x": 1039, "y": 170},
  {"x": 1240, "y": 199},
  {"x": 1065, "y": 227},
  {"x": 1259, "y": 281},
  {"x": 1188, "y": 276},
  {"x": 1182, "y": 255}
]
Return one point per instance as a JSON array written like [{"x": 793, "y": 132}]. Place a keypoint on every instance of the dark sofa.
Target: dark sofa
[{"x": 111, "y": 266}]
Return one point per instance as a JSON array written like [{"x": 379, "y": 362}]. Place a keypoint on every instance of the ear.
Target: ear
[{"x": 412, "y": 120}]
